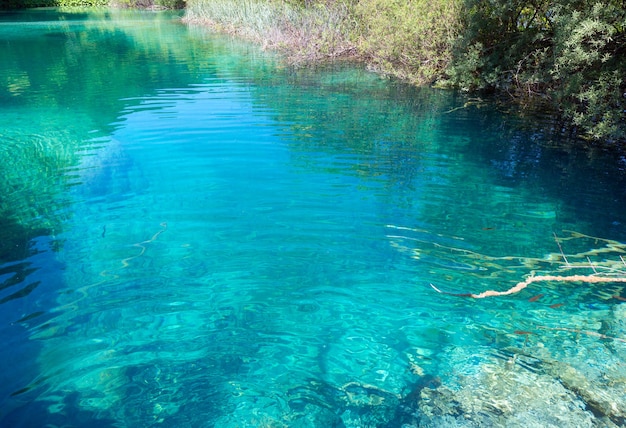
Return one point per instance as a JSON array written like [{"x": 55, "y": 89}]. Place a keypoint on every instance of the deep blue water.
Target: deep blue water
[{"x": 194, "y": 234}]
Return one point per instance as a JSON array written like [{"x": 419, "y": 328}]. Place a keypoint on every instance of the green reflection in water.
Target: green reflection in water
[{"x": 64, "y": 79}]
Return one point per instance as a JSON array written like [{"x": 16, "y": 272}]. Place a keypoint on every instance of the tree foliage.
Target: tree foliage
[{"x": 568, "y": 53}]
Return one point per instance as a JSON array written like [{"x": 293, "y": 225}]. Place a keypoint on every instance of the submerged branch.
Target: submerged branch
[
  {"x": 523, "y": 284},
  {"x": 606, "y": 271}
]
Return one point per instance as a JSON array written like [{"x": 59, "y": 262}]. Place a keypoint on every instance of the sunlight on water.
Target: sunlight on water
[{"x": 195, "y": 235}]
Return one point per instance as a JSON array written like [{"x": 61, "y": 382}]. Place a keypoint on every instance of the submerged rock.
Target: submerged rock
[
  {"x": 501, "y": 392},
  {"x": 407, "y": 411},
  {"x": 598, "y": 400}
]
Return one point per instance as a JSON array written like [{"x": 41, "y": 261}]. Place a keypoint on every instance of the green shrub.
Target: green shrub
[
  {"x": 589, "y": 70},
  {"x": 571, "y": 55},
  {"x": 409, "y": 39}
]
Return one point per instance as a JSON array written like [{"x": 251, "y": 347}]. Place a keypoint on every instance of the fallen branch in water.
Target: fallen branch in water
[
  {"x": 609, "y": 271},
  {"x": 523, "y": 284}
]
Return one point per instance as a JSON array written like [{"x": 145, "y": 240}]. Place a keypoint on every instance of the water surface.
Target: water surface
[{"x": 195, "y": 235}]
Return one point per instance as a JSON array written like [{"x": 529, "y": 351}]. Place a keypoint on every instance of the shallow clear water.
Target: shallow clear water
[{"x": 195, "y": 235}]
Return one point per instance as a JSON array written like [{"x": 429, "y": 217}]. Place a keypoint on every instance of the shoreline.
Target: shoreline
[{"x": 440, "y": 44}]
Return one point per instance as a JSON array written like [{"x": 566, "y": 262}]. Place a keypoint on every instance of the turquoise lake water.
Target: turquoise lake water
[{"x": 196, "y": 235}]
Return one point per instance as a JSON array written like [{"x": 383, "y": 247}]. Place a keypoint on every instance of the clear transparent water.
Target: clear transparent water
[{"x": 195, "y": 235}]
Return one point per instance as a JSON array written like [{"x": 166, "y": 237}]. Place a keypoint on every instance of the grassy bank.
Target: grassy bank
[
  {"x": 567, "y": 56},
  {"x": 366, "y": 31},
  {"x": 304, "y": 34}
]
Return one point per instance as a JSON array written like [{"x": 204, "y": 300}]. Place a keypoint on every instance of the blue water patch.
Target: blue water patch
[{"x": 219, "y": 240}]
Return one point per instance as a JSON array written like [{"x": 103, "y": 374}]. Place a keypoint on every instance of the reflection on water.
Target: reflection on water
[{"x": 194, "y": 235}]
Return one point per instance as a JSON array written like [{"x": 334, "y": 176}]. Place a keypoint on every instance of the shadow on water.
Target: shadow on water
[
  {"x": 531, "y": 150},
  {"x": 402, "y": 138},
  {"x": 37, "y": 414}
]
